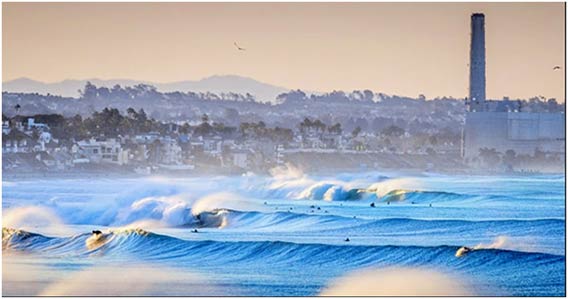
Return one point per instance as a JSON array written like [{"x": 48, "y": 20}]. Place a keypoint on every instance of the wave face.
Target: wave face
[
  {"x": 292, "y": 234},
  {"x": 322, "y": 259}
]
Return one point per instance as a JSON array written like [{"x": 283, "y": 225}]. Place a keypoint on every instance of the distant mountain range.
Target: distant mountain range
[{"x": 216, "y": 84}]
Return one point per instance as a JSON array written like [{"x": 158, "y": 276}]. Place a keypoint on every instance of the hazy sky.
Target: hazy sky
[{"x": 396, "y": 48}]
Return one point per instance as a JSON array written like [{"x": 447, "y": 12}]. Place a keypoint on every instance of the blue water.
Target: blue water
[{"x": 285, "y": 234}]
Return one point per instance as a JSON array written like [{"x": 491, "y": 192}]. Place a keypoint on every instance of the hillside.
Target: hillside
[{"x": 263, "y": 92}]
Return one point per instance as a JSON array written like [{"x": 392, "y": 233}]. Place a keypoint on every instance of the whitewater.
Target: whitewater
[{"x": 285, "y": 234}]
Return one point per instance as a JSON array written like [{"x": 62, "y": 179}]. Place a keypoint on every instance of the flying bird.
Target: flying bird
[
  {"x": 239, "y": 48},
  {"x": 556, "y": 68}
]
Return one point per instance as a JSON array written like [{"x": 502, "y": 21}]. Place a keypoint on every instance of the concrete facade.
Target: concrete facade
[{"x": 519, "y": 131}]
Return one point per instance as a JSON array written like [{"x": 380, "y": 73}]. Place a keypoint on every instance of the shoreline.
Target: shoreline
[{"x": 24, "y": 176}]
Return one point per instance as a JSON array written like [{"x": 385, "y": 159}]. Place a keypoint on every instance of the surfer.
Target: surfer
[
  {"x": 96, "y": 240},
  {"x": 430, "y": 205},
  {"x": 463, "y": 250},
  {"x": 347, "y": 240},
  {"x": 372, "y": 205},
  {"x": 195, "y": 230}
]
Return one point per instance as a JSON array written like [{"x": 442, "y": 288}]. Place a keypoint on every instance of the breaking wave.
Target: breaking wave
[
  {"x": 272, "y": 234},
  {"x": 146, "y": 245}
]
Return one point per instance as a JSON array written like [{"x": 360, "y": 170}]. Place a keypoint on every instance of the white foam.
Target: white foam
[{"x": 397, "y": 282}]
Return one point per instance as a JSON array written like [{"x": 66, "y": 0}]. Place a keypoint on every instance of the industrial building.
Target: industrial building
[{"x": 502, "y": 125}]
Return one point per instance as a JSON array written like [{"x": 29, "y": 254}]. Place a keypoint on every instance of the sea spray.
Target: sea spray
[
  {"x": 383, "y": 188},
  {"x": 166, "y": 211},
  {"x": 33, "y": 217},
  {"x": 500, "y": 242},
  {"x": 131, "y": 280},
  {"x": 398, "y": 282},
  {"x": 224, "y": 200}
]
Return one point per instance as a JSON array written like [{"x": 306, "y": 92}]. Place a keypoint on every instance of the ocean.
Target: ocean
[{"x": 285, "y": 234}]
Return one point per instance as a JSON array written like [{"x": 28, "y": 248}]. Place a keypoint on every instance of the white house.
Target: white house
[
  {"x": 99, "y": 150},
  {"x": 171, "y": 152}
]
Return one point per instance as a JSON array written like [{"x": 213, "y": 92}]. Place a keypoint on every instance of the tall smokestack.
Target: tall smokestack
[{"x": 477, "y": 62}]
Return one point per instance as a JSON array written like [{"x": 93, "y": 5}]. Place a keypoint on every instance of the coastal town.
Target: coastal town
[
  {"x": 131, "y": 142},
  {"x": 33, "y": 145}
]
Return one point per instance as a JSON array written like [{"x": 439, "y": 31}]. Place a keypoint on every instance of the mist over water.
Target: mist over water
[
  {"x": 398, "y": 282},
  {"x": 286, "y": 234}
]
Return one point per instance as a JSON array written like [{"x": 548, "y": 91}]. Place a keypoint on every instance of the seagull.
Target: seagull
[
  {"x": 556, "y": 68},
  {"x": 239, "y": 48}
]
